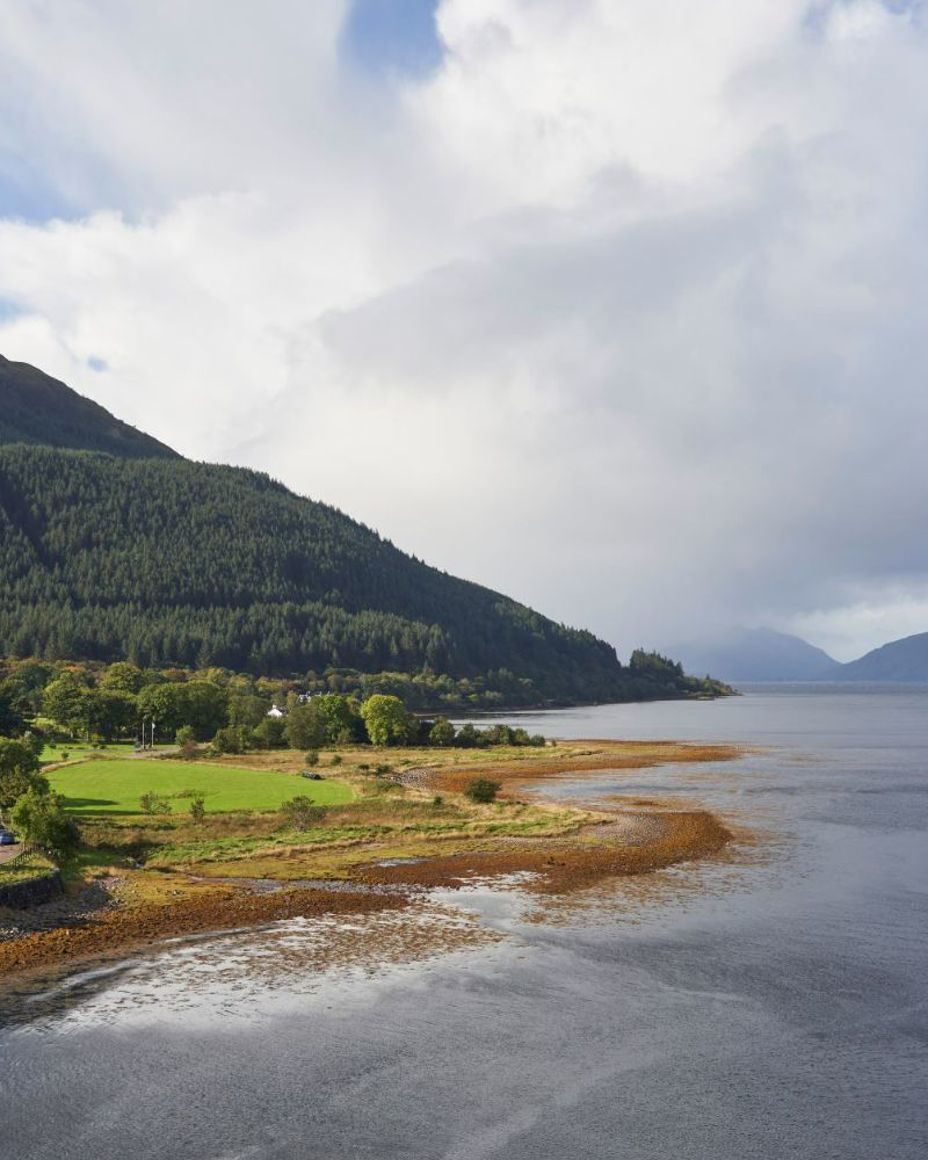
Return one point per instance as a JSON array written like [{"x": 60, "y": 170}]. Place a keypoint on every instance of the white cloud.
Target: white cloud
[{"x": 618, "y": 311}]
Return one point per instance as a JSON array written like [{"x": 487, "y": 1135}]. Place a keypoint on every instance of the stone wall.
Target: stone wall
[{"x": 32, "y": 891}]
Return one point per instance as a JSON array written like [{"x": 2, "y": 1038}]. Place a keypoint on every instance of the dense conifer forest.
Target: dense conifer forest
[{"x": 162, "y": 561}]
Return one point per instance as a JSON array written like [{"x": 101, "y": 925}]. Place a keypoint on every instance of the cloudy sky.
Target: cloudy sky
[{"x": 618, "y": 306}]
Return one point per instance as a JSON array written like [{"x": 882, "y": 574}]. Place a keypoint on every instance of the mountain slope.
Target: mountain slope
[
  {"x": 119, "y": 548},
  {"x": 167, "y": 561},
  {"x": 899, "y": 660},
  {"x": 35, "y": 408},
  {"x": 164, "y": 560},
  {"x": 756, "y": 654}
]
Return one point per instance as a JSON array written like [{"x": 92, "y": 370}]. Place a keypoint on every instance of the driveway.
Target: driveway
[{"x": 7, "y": 852}]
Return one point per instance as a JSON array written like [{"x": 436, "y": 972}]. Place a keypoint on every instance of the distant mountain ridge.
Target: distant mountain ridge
[
  {"x": 755, "y": 654},
  {"x": 760, "y": 654},
  {"x": 904, "y": 660},
  {"x": 37, "y": 409}
]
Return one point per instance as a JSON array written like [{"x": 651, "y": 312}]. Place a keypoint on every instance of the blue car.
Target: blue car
[{"x": 7, "y": 838}]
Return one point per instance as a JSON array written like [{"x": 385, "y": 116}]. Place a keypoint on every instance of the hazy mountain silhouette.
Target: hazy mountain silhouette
[
  {"x": 755, "y": 654},
  {"x": 899, "y": 660}
]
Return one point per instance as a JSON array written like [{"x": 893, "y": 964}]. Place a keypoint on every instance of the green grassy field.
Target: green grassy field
[
  {"x": 114, "y": 786},
  {"x": 52, "y": 753}
]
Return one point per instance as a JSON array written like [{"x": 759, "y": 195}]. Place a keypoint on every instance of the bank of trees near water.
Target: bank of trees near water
[
  {"x": 40, "y": 704},
  {"x": 124, "y": 702},
  {"x": 229, "y": 712}
]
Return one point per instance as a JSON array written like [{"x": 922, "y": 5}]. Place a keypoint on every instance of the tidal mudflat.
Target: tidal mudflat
[{"x": 396, "y": 839}]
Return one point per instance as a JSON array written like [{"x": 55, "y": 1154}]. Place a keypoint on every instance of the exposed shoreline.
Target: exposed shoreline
[{"x": 628, "y": 838}]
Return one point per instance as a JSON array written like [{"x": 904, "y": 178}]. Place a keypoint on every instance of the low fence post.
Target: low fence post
[{"x": 24, "y": 853}]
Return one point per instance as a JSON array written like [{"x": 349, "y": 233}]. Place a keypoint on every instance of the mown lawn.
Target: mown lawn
[
  {"x": 114, "y": 786},
  {"x": 54, "y": 752}
]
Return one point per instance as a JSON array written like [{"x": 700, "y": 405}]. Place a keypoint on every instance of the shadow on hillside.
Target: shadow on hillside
[{"x": 88, "y": 805}]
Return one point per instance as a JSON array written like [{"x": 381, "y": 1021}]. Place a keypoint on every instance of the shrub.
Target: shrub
[
  {"x": 442, "y": 732},
  {"x": 497, "y": 735},
  {"x": 311, "y": 757},
  {"x": 305, "y": 727},
  {"x": 386, "y": 720},
  {"x": 231, "y": 739},
  {"x": 151, "y": 803},
  {"x": 269, "y": 734},
  {"x": 438, "y": 801},
  {"x": 19, "y": 771},
  {"x": 468, "y": 737},
  {"x": 189, "y": 751},
  {"x": 336, "y": 759},
  {"x": 41, "y": 819},
  {"x": 482, "y": 790},
  {"x": 197, "y": 811},
  {"x": 302, "y": 814},
  {"x": 185, "y": 735}
]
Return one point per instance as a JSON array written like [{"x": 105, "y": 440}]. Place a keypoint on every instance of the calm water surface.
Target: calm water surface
[{"x": 771, "y": 1007}]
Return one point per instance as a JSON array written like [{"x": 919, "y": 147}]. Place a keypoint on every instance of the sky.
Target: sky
[{"x": 617, "y": 307}]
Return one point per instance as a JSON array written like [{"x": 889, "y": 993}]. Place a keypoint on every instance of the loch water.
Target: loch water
[{"x": 772, "y": 1004}]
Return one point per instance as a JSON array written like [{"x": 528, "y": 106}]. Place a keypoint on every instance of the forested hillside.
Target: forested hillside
[
  {"x": 123, "y": 550},
  {"x": 167, "y": 561},
  {"x": 35, "y": 408}
]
